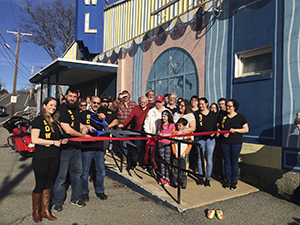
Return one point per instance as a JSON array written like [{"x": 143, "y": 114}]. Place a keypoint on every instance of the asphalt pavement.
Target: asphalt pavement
[{"x": 126, "y": 206}]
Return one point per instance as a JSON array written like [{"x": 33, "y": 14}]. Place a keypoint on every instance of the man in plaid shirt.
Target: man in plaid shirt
[{"x": 123, "y": 106}]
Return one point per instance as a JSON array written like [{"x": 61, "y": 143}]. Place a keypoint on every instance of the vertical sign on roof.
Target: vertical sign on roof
[{"x": 87, "y": 29}]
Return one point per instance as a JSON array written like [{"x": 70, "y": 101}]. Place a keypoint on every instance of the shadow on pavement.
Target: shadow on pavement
[{"x": 9, "y": 183}]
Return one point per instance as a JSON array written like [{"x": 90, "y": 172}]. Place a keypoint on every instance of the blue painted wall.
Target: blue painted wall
[
  {"x": 256, "y": 25},
  {"x": 291, "y": 85},
  {"x": 242, "y": 26},
  {"x": 94, "y": 42}
]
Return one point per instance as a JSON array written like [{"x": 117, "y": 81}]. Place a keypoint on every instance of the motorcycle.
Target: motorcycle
[{"x": 20, "y": 140}]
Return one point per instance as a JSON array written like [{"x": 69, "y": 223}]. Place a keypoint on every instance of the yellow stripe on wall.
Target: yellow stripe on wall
[{"x": 131, "y": 18}]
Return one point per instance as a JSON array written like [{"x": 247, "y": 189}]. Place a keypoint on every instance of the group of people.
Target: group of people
[{"x": 58, "y": 161}]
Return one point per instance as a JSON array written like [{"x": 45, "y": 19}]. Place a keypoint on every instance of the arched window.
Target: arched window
[{"x": 174, "y": 71}]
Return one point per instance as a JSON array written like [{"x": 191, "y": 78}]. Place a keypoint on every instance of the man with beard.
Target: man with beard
[
  {"x": 150, "y": 95},
  {"x": 123, "y": 107},
  {"x": 70, "y": 156},
  {"x": 93, "y": 150},
  {"x": 111, "y": 117}
]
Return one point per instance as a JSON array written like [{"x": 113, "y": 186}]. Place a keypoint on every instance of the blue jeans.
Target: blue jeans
[
  {"x": 231, "y": 153},
  {"x": 87, "y": 157},
  {"x": 70, "y": 161},
  {"x": 209, "y": 146}
]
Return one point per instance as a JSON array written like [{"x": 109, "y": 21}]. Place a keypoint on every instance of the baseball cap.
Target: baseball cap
[
  {"x": 159, "y": 98},
  {"x": 104, "y": 99}
]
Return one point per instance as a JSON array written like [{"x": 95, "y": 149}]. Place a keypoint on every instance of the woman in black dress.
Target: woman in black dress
[
  {"x": 231, "y": 143},
  {"x": 46, "y": 135}
]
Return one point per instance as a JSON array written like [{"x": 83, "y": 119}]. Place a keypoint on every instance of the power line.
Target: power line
[
  {"x": 13, "y": 13},
  {"x": 12, "y": 64},
  {"x": 11, "y": 52}
]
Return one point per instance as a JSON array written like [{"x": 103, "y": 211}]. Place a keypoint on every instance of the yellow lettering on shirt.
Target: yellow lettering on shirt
[
  {"x": 223, "y": 121},
  {"x": 200, "y": 120},
  {"x": 88, "y": 121},
  {"x": 47, "y": 135},
  {"x": 47, "y": 128}
]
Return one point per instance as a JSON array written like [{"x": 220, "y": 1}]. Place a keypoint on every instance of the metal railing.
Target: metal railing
[{"x": 197, "y": 145}]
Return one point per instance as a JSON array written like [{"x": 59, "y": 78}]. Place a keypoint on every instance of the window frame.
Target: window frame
[{"x": 239, "y": 66}]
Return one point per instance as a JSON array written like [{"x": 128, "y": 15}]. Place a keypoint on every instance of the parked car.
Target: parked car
[{"x": 3, "y": 111}]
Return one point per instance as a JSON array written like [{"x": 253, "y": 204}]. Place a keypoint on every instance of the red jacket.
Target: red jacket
[{"x": 138, "y": 115}]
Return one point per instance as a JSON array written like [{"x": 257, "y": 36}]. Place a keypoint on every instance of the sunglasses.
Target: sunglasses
[
  {"x": 98, "y": 103},
  {"x": 83, "y": 105}
]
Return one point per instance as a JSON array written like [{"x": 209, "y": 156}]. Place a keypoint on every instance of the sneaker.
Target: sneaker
[
  {"x": 132, "y": 169},
  {"x": 199, "y": 182},
  {"x": 219, "y": 214},
  {"x": 161, "y": 181},
  {"x": 183, "y": 185},
  {"x": 79, "y": 203},
  {"x": 210, "y": 213},
  {"x": 102, "y": 196},
  {"x": 166, "y": 182},
  {"x": 85, "y": 197},
  {"x": 233, "y": 185},
  {"x": 227, "y": 184},
  {"x": 175, "y": 184},
  {"x": 144, "y": 167},
  {"x": 57, "y": 208},
  {"x": 207, "y": 183}
]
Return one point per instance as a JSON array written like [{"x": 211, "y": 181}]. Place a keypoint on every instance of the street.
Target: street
[
  {"x": 19, "y": 106},
  {"x": 125, "y": 206}
]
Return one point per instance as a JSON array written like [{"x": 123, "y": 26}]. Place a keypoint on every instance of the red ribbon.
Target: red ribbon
[
  {"x": 151, "y": 142},
  {"x": 144, "y": 138}
]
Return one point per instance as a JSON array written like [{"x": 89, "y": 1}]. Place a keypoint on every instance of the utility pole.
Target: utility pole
[
  {"x": 19, "y": 34},
  {"x": 32, "y": 70}
]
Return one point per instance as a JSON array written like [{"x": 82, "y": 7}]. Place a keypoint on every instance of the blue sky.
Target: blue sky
[{"x": 29, "y": 55}]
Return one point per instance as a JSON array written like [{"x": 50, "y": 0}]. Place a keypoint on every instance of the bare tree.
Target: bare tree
[{"x": 52, "y": 25}]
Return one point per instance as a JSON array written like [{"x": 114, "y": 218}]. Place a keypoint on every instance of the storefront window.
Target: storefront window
[{"x": 174, "y": 71}]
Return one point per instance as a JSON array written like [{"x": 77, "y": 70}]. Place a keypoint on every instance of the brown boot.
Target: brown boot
[
  {"x": 36, "y": 202},
  {"x": 45, "y": 212}
]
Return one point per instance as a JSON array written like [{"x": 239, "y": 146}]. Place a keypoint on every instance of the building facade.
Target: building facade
[{"x": 248, "y": 50}]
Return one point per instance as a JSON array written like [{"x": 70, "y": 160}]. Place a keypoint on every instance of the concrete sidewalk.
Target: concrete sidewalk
[{"x": 191, "y": 197}]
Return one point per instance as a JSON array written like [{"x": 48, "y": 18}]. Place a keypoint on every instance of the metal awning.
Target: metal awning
[{"x": 72, "y": 72}]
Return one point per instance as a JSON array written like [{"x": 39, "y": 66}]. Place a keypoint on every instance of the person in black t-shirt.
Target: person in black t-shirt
[
  {"x": 46, "y": 134},
  {"x": 93, "y": 150},
  {"x": 205, "y": 121},
  {"x": 222, "y": 107},
  {"x": 231, "y": 143},
  {"x": 70, "y": 156},
  {"x": 111, "y": 118}
]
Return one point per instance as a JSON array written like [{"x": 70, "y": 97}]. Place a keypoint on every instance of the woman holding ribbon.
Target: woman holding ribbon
[
  {"x": 231, "y": 143},
  {"x": 206, "y": 120},
  {"x": 46, "y": 135}
]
